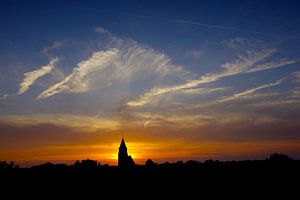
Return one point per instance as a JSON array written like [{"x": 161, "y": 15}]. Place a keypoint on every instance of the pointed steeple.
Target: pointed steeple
[
  {"x": 123, "y": 147},
  {"x": 123, "y": 142},
  {"x": 124, "y": 161}
]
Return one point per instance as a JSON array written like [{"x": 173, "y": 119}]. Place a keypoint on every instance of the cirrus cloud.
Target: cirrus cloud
[
  {"x": 76, "y": 82},
  {"x": 31, "y": 77},
  {"x": 126, "y": 63},
  {"x": 249, "y": 63}
]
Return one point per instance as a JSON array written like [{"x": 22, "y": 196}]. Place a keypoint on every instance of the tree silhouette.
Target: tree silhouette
[
  {"x": 5, "y": 165},
  {"x": 279, "y": 157},
  {"x": 87, "y": 164}
]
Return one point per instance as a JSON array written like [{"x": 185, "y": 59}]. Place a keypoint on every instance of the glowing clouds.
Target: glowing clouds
[
  {"x": 31, "y": 77},
  {"x": 244, "y": 64},
  {"x": 76, "y": 122},
  {"x": 76, "y": 82}
]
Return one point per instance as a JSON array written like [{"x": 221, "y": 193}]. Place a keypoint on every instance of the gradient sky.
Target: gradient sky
[{"x": 178, "y": 79}]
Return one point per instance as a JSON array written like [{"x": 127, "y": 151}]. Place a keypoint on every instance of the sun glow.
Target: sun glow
[
  {"x": 114, "y": 156},
  {"x": 133, "y": 149},
  {"x": 158, "y": 151}
]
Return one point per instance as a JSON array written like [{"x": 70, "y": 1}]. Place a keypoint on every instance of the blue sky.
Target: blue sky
[{"x": 182, "y": 71}]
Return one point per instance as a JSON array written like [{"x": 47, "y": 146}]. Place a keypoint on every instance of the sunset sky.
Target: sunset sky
[{"x": 179, "y": 80}]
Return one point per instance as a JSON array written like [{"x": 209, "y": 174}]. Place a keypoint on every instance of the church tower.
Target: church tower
[{"x": 124, "y": 161}]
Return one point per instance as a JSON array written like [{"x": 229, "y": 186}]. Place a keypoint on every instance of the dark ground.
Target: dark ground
[{"x": 274, "y": 178}]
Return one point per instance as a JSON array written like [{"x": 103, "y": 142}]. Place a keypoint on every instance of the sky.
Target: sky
[{"x": 179, "y": 80}]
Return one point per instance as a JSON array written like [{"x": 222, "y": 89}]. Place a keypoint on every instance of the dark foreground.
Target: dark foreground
[{"x": 266, "y": 179}]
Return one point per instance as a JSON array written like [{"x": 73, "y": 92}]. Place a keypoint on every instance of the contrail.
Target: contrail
[{"x": 212, "y": 26}]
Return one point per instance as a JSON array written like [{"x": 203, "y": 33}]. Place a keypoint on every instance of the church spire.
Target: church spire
[
  {"x": 123, "y": 143},
  {"x": 124, "y": 161},
  {"x": 122, "y": 149}
]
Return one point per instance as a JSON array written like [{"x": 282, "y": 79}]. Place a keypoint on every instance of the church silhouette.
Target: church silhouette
[{"x": 125, "y": 161}]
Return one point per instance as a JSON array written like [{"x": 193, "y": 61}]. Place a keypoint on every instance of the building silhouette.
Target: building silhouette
[{"x": 125, "y": 161}]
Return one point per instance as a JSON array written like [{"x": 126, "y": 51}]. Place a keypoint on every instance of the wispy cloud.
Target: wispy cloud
[
  {"x": 190, "y": 121},
  {"x": 127, "y": 63},
  {"x": 238, "y": 42},
  {"x": 249, "y": 91},
  {"x": 249, "y": 63},
  {"x": 282, "y": 100},
  {"x": 233, "y": 97},
  {"x": 296, "y": 77},
  {"x": 276, "y": 103},
  {"x": 78, "y": 122},
  {"x": 76, "y": 82},
  {"x": 200, "y": 91},
  {"x": 101, "y": 30},
  {"x": 55, "y": 45},
  {"x": 205, "y": 25},
  {"x": 31, "y": 77},
  {"x": 147, "y": 123}
]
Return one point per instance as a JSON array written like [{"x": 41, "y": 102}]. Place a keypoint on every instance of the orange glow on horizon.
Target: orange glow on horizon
[
  {"x": 161, "y": 151},
  {"x": 132, "y": 148}
]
